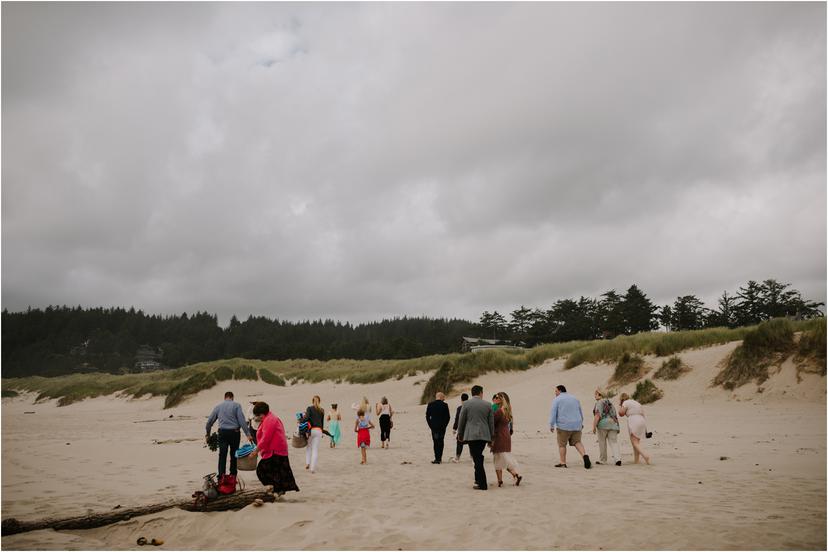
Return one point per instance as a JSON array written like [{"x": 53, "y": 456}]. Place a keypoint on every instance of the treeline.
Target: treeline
[
  {"x": 615, "y": 314},
  {"x": 62, "y": 340}
]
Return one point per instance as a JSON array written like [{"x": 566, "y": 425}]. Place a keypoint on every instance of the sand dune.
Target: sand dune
[{"x": 769, "y": 492}]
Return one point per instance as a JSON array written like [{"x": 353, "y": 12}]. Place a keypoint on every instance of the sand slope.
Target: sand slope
[{"x": 769, "y": 493}]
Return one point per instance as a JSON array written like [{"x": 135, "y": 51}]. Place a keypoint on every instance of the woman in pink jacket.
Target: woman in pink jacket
[{"x": 274, "y": 466}]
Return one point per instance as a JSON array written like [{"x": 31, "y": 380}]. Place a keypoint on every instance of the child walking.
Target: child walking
[{"x": 363, "y": 427}]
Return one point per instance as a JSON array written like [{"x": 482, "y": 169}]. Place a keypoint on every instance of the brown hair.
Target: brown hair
[
  {"x": 316, "y": 400},
  {"x": 624, "y": 397},
  {"x": 360, "y": 412}
]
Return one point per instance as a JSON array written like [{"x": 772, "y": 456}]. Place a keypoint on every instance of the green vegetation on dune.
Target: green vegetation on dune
[
  {"x": 812, "y": 347},
  {"x": 630, "y": 368},
  {"x": 652, "y": 343},
  {"x": 447, "y": 370},
  {"x": 646, "y": 392},
  {"x": 671, "y": 369},
  {"x": 770, "y": 342}
]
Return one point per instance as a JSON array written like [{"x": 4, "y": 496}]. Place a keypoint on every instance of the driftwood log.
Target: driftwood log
[{"x": 235, "y": 501}]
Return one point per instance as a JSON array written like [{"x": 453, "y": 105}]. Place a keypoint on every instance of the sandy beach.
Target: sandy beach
[{"x": 731, "y": 470}]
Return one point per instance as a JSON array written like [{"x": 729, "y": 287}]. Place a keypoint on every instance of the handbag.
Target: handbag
[{"x": 390, "y": 424}]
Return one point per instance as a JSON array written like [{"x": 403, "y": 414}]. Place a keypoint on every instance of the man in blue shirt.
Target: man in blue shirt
[
  {"x": 230, "y": 424},
  {"x": 567, "y": 416}
]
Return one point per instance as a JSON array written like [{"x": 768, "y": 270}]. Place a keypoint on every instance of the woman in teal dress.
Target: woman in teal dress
[{"x": 333, "y": 425}]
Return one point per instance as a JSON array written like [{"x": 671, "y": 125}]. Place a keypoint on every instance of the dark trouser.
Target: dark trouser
[
  {"x": 459, "y": 449},
  {"x": 385, "y": 427},
  {"x": 476, "y": 450},
  {"x": 252, "y": 433},
  {"x": 228, "y": 438},
  {"x": 438, "y": 436}
]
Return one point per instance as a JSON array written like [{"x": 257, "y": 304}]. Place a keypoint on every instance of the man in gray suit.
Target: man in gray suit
[{"x": 476, "y": 429}]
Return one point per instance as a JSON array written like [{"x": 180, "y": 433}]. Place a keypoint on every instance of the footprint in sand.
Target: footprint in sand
[{"x": 301, "y": 523}]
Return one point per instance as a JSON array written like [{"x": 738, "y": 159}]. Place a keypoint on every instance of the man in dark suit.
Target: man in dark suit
[
  {"x": 438, "y": 416},
  {"x": 476, "y": 429}
]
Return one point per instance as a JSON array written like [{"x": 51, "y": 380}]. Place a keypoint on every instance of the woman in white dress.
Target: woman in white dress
[{"x": 636, "y": 425}]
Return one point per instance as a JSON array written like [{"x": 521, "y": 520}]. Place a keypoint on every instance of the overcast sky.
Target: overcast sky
[{"x": 360, "y": 161}]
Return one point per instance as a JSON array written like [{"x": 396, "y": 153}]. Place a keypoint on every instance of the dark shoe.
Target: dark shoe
[
  {"x": 435, "y": 461},
  {"x": 477, "y": 487},
  {"x": 618, "y": 463},
  {"x": 560, "y": 465},
  {"x": 587, "y": 463},
  {"x": 518, "y": 480},
  {"x": 598, "y": 463},
  {"x": 648, "y": 434},
  {"x": 500, "y": 483}
]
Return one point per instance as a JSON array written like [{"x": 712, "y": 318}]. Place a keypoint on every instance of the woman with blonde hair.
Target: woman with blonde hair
[
  {"x": 502, "y": 440},
  {"x": 385, "y": 413},
  {"x": 315, "y": 416},
  {"x": 636, "y": 425},
  {"x": 605, "y": 422}
]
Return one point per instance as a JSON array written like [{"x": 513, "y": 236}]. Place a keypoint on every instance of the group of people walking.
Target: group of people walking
[{"x": 477, "y": 424}]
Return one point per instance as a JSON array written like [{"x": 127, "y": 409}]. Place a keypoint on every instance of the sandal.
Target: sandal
[{"x": 560, "y": 465}]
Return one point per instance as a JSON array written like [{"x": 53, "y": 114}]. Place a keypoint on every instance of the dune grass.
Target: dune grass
[
  {"x": 652, "y": 343},
  {"x": 9, "y": 393},
  {"x": 630, "y": 368},
  {"x": 646, "y": 392},
  {"x": 672, "y": 368},
  {"x": 462, "y": 367},
  {"x": 770, "y": 342},
  {"x": 810, "y": 354}
]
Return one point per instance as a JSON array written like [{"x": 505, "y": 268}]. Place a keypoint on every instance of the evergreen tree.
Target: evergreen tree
[{"x": 639, "y": 312}]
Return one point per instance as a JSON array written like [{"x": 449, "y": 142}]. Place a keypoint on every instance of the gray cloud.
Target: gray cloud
[{"x": 367, "y": 160}]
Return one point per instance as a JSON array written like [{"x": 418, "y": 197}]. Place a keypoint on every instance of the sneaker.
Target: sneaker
[{"x": 587, "y": 463}]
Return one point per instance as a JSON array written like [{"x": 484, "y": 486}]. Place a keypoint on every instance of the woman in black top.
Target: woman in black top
[{"x": 315, "y": 415}]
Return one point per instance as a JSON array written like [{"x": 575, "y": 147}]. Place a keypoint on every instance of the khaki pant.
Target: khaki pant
[{"x": 610, "y": 435}]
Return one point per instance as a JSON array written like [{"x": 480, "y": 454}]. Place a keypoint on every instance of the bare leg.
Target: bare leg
[
  {"x": 636, "y": 443},
  {"x": 580, "y": 448},
  {"x": 513, "y": 472},
  {"x": 364, "y": 456},
  {"x": 499, "y": 477},
  {"x": 562, "y": 452}
]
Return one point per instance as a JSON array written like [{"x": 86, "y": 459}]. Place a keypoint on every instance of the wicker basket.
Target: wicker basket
[
  {"x": 247, "y": 463},
  {"x": 299, "y": 441}
]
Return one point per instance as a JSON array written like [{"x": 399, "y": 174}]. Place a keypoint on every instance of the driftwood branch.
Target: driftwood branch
[{"x": 235, "y": 501}]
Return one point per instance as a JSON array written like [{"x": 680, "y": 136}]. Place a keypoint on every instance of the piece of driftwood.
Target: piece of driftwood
[{"x": 235, "y": 501}]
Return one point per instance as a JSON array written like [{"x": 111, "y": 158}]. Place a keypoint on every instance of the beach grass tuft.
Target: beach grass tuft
[
  {"x": 672, "y": 368},
  {"x": 246, "y": 372},
  {"x": 810, "y": 353},
  {"x": 223, "y": 373},
  {"x": 770, "y": 342},
  {"x": 9, "y": 393},
  {"x": 271, "y": 377},
  {"x": 630, "y": 368},
  {"x": 646, "y": 392}
]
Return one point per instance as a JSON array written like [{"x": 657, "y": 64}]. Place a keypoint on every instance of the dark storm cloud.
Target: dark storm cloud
[{"x": 367, "y": 160}]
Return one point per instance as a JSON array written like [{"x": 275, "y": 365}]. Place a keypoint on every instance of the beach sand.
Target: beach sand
[{"x": 731, "y": 470}]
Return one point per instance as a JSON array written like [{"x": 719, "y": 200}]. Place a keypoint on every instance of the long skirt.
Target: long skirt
[
  {"x": 276, "y": 471},
  {"x": 334, "y": 431}
]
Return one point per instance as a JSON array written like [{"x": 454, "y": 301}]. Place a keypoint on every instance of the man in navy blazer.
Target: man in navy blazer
[{"x": 438, "y": 416}]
